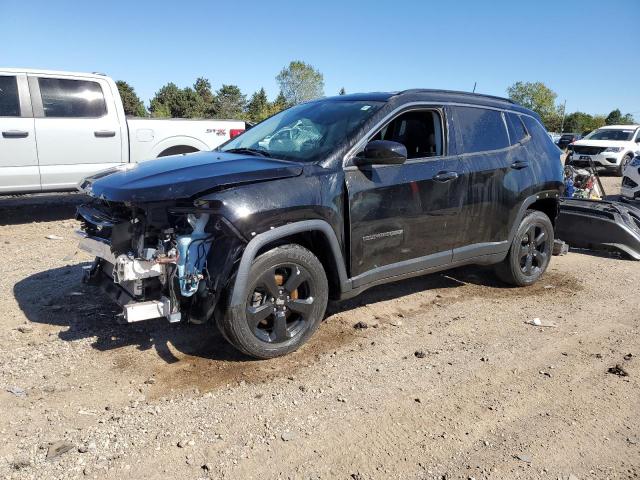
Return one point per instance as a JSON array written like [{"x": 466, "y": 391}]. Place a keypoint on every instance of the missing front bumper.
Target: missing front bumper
[{"x": 132, "y": 309}]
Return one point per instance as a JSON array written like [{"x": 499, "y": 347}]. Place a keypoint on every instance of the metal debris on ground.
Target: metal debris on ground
[
  {"x": 54, "y": 237},
  {"x": 360, "y": 326}
]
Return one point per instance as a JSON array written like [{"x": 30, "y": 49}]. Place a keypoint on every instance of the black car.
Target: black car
[
  {"x": 324, "y": 200},
  {"x": 568, "y": 138}
]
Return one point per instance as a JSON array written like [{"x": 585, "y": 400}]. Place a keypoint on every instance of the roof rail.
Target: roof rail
[{"x": 455, "y": 92}]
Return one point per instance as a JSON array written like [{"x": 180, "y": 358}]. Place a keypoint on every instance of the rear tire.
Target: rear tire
[
  {"x": 623, "y": 163},
  {"x": 530, "y": 251},
  {"x": 286, "y": 300}
]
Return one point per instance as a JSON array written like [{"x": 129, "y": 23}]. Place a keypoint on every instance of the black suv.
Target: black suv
[{"x": 324, "y": 200}]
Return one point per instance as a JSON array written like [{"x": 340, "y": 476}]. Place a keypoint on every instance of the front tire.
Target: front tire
[
  {"x": 530, "y": 251},
  {"x": 286, "y": 300},
  {"x": 623, "y": 163}
]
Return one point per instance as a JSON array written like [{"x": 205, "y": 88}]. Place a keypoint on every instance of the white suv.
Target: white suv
[{"x": 611, "y": 148}]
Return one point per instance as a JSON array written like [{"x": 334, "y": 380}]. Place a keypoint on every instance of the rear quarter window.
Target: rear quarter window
[
  {"x": 536, "y": 130},
  {"x": 517, "y": 132},
  {"x": 481, "y": 129}
]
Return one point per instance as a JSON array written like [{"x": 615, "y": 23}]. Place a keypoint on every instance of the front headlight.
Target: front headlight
[{"x": 613, "y": 149}]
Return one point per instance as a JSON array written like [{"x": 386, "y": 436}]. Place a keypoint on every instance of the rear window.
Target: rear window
[
  {"x": 517, "y": 132},
  {"x": 9, "y": 100},
  {"x": 481, "y": 129},
  {"x": 71, "y": 98}
]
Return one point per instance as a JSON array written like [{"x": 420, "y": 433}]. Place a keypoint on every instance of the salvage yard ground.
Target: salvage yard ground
[{"x": 446, "y": 380}]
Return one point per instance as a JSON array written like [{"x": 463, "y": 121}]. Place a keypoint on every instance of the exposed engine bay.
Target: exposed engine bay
[{"x": 160, "y": 259}]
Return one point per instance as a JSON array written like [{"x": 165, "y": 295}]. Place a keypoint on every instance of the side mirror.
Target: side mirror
[{"x": 382, "y": 152}]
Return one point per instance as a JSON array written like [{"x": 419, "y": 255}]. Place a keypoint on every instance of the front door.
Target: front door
[
  {"x": 18, "y": 155},
  {"x": 77, "y": 128},
  {"x": 404, "y": 217}
]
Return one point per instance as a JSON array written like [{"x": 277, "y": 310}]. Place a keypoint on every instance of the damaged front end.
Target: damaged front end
[{"x": 161, "y": 259}]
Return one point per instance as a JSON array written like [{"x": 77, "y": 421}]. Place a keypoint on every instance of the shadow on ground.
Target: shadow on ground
[
  {"x": 15, "y": 210},
  {"x": 57, "y": 297}
]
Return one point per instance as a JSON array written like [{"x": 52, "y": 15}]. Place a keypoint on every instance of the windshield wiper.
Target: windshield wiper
[{"x": 250, "y": 151}]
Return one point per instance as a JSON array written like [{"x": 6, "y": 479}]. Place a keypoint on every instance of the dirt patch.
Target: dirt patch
[{"x": 449, "y": 380}]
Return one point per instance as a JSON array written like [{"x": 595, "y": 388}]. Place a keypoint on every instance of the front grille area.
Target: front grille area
[
  {"x": 627, "y": 182},
  {"x": 582, "y": 150}
]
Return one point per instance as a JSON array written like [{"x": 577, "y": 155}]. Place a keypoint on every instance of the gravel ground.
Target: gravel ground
[{"x": 446, "y": 380}]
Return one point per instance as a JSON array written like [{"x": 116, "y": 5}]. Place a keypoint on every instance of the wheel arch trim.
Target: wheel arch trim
[
  {"x": 262, "y": 239},
  {"x": 552, "y": 194}
]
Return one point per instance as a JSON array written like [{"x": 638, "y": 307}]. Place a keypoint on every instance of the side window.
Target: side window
[
  {"x": 9, "y": 100},
  {"x": 517, "y": 132},
  {"x": 418, "y": 130},
  {"x": 481, "y": 129},
  {"x": 71, "y": 98}
]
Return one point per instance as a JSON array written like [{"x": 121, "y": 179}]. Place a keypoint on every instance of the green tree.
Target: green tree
[
  {"x": 130, "y": 100},
  {"x": 202, "y": 86},
  {"x": 258, "y": 107},
  {"x": 176, "y": 102},
  {"x": 300, "y": 82},
  {"x": 616, "y": 118},
  {"x": 537, "y": 97},
  {"x": 229, "y": 102},
  {"x": 583, "y": 123}
]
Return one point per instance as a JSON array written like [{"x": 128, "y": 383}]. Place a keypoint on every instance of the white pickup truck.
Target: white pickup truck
[{"x": 58, "y": 127}]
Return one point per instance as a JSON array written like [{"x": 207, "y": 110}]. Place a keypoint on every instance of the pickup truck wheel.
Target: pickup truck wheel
[
  {"x": 286, "y": 300},
  {"x": 530, "y": 251},
  {"x": 623, "y": 163}
]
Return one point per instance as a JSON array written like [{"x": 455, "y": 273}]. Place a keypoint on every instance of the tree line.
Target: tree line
[
  {"x": 298, "y": 82},
  {"x": 542, "y": 100}
]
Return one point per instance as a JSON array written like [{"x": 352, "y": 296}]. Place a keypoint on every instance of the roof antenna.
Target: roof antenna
[{"x": 474, "y": 87}]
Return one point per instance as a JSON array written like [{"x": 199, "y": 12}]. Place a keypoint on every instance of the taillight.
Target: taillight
[{"x": 234, "y": 132}]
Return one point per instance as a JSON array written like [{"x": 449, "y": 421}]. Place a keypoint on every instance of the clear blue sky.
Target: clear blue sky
[{"x": 587, "y": 51}]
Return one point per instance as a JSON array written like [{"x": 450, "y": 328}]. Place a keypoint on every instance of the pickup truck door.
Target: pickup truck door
[
  {"x": 404, "y": 218},
  {"x": 18, "y": 155},
  {"x": 77, "y": 127}
]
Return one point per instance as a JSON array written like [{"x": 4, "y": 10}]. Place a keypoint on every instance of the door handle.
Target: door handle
[
  {"x": 15, "y": 134},
  {"x": 443, "y": 177},
  {"x": 519, "y": 164},
  {"x": 104, "y": 133}
]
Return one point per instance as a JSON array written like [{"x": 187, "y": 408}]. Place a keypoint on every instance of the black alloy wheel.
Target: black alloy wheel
[
  {"x": 286, "y": 298},
  {"x": 282, "y": 303},
  {"x": 530, "y": 251}
]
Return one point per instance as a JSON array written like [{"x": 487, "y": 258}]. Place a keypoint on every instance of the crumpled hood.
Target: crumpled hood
[{"x": 184, "y": 176}]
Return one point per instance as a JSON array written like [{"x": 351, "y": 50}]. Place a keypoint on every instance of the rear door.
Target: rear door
[
  {"x": 405, "y": 216},
  {"x": 18, "y": 155},
  {"x": 492, "y": 191},
  {"x": 77, "y": 128}
]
